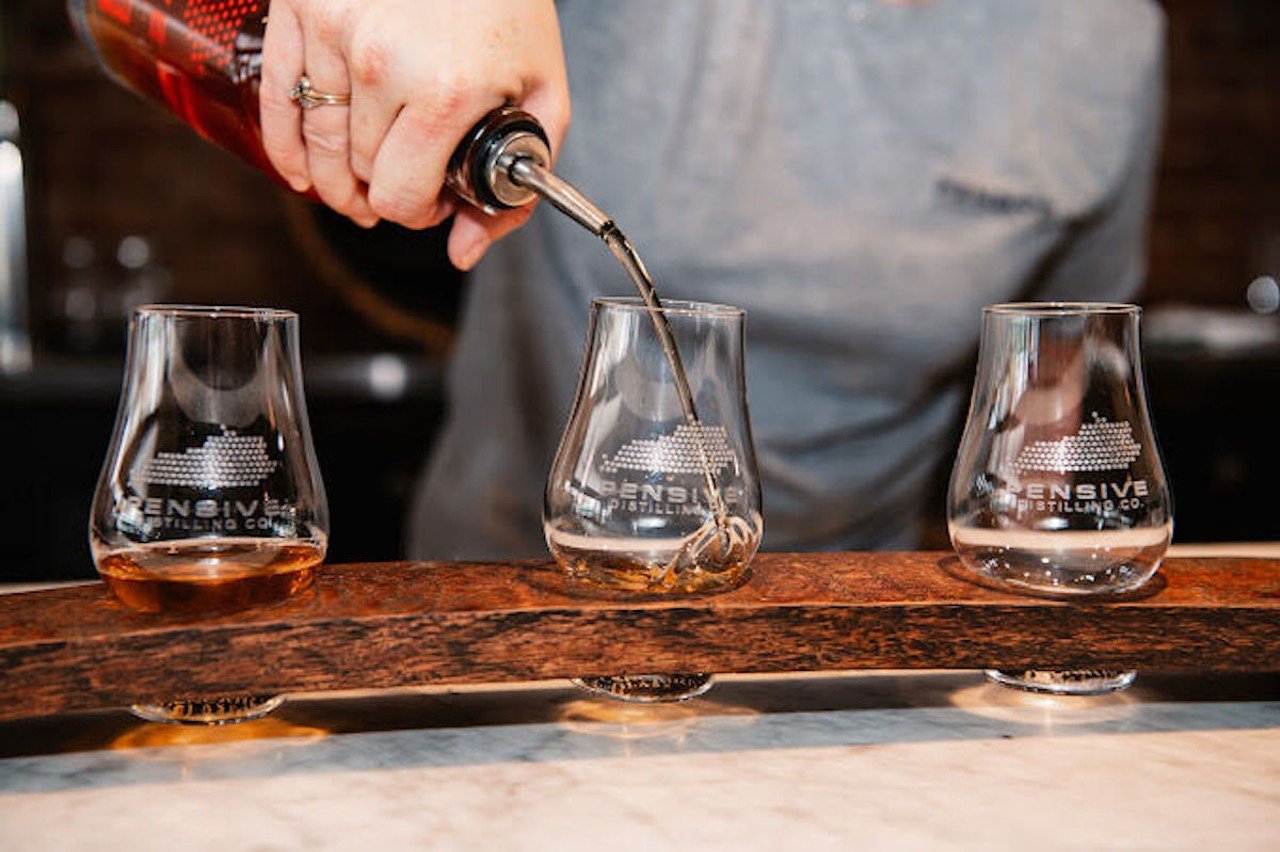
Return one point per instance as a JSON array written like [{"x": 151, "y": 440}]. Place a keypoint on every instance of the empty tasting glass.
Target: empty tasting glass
[
  {"x": 210, "y": 498},
  {"x": 654, "y": 490},
  {"x": 1058, "y": 488}
]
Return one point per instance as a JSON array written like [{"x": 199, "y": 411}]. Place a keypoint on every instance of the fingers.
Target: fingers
[
  {"x": 409, "y": 169},
  {"x": 281, "y": 118},
  {"x": 373, "y": 106},
  {"x": 326, "y": 129},
  {"x": 474, "y": 231},
  {"x": 386, "y": 154}
]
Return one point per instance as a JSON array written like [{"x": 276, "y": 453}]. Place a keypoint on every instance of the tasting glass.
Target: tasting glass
[
  {"x": 652, "y": 491},
  {"x": 210, "y": 498},
  {"x": 1058, "y": 489}
]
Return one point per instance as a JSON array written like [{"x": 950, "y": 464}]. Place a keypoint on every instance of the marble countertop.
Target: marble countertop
[{"x": 867, "y": 760}]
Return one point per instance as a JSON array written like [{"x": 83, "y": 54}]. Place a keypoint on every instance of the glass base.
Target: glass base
[
  {"x": 648, "y": 688},
  {"x": 217, "y": 711},
  {"x": 1080, "y": 682},
  {"x": 1064, "y": 564}
]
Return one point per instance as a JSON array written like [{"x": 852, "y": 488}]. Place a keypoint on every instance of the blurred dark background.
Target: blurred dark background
[{"x": 126, "y": 205}]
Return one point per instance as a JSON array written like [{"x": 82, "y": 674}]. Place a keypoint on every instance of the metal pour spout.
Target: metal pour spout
[
  {"x": 529, "y": 173},
  {"x": 505, "y": 162}
]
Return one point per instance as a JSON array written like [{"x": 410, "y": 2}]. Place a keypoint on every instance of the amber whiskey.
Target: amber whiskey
[{"x": 210, "y": 575}]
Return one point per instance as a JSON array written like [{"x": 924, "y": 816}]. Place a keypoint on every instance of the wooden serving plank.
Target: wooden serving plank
[{"x": 399, "y": 624}]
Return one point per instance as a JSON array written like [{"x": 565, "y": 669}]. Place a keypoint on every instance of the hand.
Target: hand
[{"x": 420, "y": 73}]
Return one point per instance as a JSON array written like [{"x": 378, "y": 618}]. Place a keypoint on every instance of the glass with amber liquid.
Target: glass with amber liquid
[{"x": 210, "y": 498}]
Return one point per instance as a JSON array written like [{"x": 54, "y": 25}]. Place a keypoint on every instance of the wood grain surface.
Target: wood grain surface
[{"x": 401, "y": 624}]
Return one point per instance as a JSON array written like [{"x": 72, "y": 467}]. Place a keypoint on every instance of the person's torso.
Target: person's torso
[{"x": 860, "y": 177}]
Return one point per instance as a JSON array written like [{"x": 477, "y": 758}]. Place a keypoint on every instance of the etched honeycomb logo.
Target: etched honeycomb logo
[
  {"x": 228, "y": 460},
  {"x": 682, "y": 452},
  {"x": 1100, "y": 445}
]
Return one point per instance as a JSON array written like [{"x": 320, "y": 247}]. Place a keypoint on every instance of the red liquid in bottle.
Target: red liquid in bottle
[{"x": 201, "y": 59}]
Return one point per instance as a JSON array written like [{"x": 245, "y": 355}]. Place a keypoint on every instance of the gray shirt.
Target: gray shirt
[{"x": 862, "y": 178}]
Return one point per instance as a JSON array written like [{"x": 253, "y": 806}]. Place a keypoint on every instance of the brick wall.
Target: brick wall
[{"x": 1217, "y": 214}]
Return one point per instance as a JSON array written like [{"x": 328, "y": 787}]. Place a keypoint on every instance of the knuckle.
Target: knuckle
[
  {"x": 418, "y": 126},
  {"x": 329, "y": 19},
  {"x": 364, "y": 151},
  {"x": 364, "y": 140},
  {"x": 399, "y": 204},
  {"x": 324, "y": 141},
  {"x": 369, "y": 61},
  {"x": 362, "y": 166},
  {"x": 444, "y": 98},
  {"x": 441, "y": 212},
  {"x": 453, "y": 96}
]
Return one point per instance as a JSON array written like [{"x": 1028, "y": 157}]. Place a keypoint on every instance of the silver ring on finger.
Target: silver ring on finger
[{"x": 306, "y": 97}]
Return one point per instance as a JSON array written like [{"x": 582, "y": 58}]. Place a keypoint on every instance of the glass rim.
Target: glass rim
[
  {"x": 214, "y": 312},
  {"x": 1061, "y": 309},
  {"x": 679, "y": 307}
]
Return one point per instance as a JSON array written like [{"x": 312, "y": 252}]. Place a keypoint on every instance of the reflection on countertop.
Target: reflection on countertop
[{"x": 877, "y": 760}]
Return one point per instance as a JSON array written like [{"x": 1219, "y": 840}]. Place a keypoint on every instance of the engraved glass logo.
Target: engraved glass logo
[
  {"x": 680, "y": 453},
  {"x": 229, "y": 460},
  {"x": 1100, "y": 445}
]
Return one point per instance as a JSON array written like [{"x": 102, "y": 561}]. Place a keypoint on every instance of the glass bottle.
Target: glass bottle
[{"x": 202, "y": 61}]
